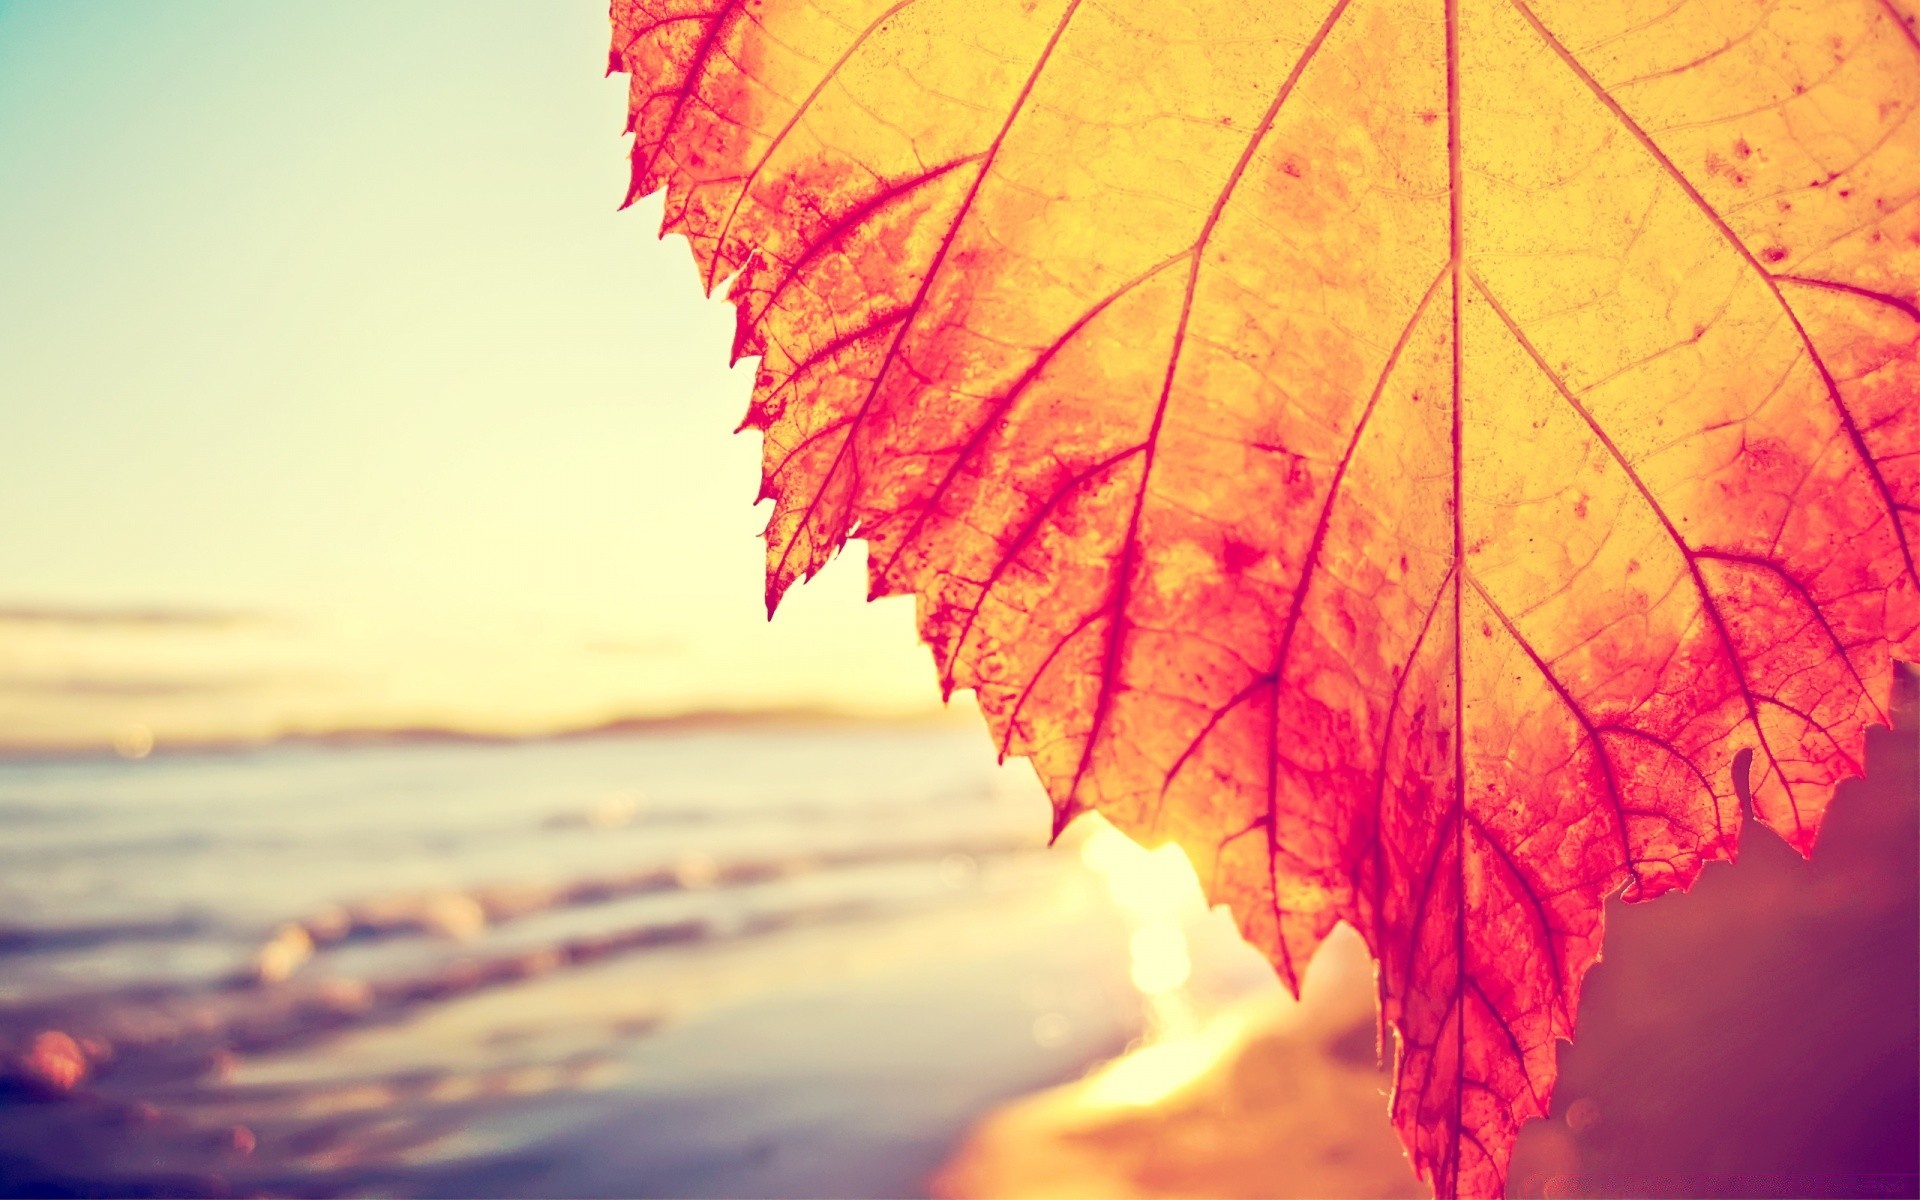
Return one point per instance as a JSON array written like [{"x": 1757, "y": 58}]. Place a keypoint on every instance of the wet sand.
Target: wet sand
[{"x": 1289, "y": 1100}]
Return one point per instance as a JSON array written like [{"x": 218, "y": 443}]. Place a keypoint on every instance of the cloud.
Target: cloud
[
  {"x": 66, "y": 616},
  {"x": 97, "y": 687}
]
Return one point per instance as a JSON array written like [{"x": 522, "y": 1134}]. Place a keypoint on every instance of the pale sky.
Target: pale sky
[{"x": 337, "y": 391}]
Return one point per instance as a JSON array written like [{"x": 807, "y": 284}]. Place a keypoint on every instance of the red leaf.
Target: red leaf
[{"x": 1413, "y": 453}]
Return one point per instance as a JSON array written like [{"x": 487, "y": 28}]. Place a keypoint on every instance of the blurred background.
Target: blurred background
[{"x": 402, "y": 792}]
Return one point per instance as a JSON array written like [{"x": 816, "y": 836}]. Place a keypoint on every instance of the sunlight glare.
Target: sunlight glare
[
  {"x": 1151, "y": 1073},
  {"x": 1160, "y": 961},
  {"x": 1157, "y": 884},
  {"x": 1158, "y": 893}
]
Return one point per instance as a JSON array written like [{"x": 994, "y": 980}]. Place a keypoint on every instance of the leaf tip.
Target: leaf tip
[{"x": 1063, "y": 815}]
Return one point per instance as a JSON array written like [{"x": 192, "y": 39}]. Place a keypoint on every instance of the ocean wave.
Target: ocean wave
[
  {"x": 147, "y": 1034},
  {"x": 462, "y": 914},
  {"x": 53, "y": 939}
]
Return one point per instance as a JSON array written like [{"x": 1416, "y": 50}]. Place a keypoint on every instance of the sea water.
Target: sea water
[{"x": 741, "y": 961}]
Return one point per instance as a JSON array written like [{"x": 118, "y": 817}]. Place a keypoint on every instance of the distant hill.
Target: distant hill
[{"x": 428, "y": 735}]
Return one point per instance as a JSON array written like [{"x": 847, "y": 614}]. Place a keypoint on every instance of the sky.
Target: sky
[{"x": 336, "y": 391}]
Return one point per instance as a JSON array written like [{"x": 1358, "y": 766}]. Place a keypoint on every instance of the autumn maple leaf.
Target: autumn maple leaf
[{"x": 1412, "y": 453}]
